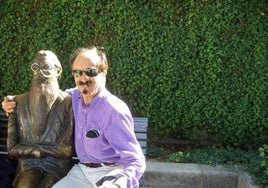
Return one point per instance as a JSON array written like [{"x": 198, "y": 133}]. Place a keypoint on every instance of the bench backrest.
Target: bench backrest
[
  {"x": 3, "y": 133},
  {"x": 140, "y": 126}
]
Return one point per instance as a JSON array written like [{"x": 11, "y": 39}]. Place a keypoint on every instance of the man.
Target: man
[
  {"x": 108, "y": 151},
  {"x": 40, "y": 130}
]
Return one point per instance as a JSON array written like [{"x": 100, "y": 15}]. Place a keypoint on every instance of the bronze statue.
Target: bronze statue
[{"x": 40, "y": 131}]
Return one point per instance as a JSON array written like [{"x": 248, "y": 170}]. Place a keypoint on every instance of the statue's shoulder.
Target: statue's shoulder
[
  {"x": 21, "y": 97},
  {"x": 63, "y": 96}
]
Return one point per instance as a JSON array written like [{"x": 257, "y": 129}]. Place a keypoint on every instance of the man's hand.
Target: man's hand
[
  {"x": 8, "y": 104},
  {"x": 110, "y": 186}
]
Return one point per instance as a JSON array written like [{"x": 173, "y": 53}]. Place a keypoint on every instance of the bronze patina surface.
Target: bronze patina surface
[{"x": 40, "y": 131}]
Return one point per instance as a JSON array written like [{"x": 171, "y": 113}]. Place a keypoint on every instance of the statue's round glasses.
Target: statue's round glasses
[
  {"x": 45, "y": 67},
  {"x": 90, "y": 72}
]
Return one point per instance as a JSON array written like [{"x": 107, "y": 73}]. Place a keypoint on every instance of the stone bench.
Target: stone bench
[{"x": 187, "y": 175}]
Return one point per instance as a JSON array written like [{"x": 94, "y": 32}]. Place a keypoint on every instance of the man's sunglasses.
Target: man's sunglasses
[{"x": 90, "y": 72}]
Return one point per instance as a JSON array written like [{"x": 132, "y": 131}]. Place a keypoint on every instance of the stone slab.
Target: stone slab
[{"x": 188, "y": 175}]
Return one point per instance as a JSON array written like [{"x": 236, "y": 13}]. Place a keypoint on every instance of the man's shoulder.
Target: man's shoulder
[
  {"x": 116, "y": 103},
  {"x": 63, "y": 96}
]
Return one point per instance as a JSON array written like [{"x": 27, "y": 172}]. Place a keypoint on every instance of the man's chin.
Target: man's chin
[
  {"x": 88, "y": 93},
  {"x": 85, "y": 92}
]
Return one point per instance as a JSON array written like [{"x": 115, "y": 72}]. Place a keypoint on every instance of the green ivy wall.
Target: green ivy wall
[{"x": 190, "y": 66}]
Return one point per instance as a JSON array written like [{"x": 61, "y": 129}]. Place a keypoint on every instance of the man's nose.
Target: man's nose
[{"x": 84, "y": 76}]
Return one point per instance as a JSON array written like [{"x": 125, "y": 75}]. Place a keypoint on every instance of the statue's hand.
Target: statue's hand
[{"x": 36, "y": 153}]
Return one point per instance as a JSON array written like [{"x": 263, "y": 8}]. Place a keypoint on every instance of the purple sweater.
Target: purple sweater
[{"x": 111, "y": 118}]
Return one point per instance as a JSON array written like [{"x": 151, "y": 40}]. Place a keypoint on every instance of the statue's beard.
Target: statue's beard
[
  {"x": 43, "y": 92},
  {"x": 43, "y": 86}
]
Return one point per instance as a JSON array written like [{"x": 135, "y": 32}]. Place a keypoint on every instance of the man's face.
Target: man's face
[{"x": 89, "y": 83}]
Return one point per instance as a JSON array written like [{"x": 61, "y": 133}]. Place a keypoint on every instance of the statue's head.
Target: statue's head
[{"x": 46, "y": 65}]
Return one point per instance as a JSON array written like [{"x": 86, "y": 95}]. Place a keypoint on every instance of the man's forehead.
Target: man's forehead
[
  {"x": 83, "y": 61},
  {"x": 91, "y": 55}
]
